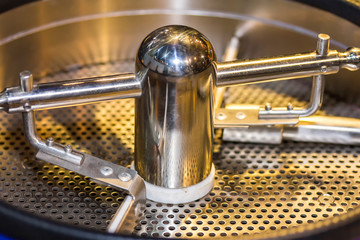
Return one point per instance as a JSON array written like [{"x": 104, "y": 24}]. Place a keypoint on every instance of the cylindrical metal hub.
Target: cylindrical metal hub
[{"x": 174, "y": 115}]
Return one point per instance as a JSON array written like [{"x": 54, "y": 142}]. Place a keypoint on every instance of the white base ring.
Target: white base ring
[{"x": 180, "y": 195}]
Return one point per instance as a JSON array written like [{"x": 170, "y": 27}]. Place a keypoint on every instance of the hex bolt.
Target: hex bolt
[
  {"x": 106, "y": 171},
  {"x": 125, "y": 177},
  {"x": 50, "y": 142},
  {"x": 68, "y": 149}
]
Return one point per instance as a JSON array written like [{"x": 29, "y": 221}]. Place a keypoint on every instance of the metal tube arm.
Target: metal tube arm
[
  {"x": 97, "y": 169},
  {"x": 70, "y": 92},
  {"x": 285, "y": 67}
]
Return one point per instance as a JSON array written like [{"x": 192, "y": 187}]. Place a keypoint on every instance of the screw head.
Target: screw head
[
  {"x": 125, "y": 177},
  {"x": 240, "y": 115},
  {"x": 220, "y": 116},
  {"x": 106, "y": 171}
]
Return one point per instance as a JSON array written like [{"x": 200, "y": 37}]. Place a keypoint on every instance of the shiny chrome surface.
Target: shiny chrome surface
[
  {"x": 316, "y": 98},
  {"x": 321, "y": 129},
  {"x": 173, "y": 117},
  {"x": 286, "y": 67},
  {"x": 317, "y": 91},
  {"x": 176, "y": 51},
  {"x": 325, "y": 129},
  {"x": 247, "y": 115},
  {"x": 70, "y": 93}
]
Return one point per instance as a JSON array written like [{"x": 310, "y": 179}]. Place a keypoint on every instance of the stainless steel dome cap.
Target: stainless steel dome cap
[{"x": 176, "y": 51}]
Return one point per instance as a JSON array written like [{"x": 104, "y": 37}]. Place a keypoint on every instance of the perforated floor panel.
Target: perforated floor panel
[{"x": 258, "y": 188}]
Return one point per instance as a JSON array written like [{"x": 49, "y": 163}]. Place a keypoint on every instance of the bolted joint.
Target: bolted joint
[{"x": 351, "y": 59}]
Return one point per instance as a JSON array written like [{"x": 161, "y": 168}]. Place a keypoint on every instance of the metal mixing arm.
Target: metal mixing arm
[
  {"x": 287, "y": 67},
  {"x": 99, "y": 170},
  {"x": 69, "y": 93}
]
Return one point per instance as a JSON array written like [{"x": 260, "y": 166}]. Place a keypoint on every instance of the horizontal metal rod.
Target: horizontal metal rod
[
  {"x": 70, "y": 93},
  {"x": 285, "y": 67}
]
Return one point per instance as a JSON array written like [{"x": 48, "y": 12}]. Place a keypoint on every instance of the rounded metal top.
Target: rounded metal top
[{"x": 176, "y": 51}]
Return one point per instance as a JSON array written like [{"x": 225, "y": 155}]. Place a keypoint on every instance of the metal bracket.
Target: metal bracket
[
  {"x": 323, "y": 129},
  {"x": 317, "y": 91},
  {"x": 245, "y": 116},
  {"x": 99, "y": 170}
]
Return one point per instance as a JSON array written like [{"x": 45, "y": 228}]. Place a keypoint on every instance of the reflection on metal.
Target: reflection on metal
[
  {"x": 317, "y": 92},
  {"x": 290, "y": 111},
  {"x": 246, "y": 115},
  {"x": 285, "y": 67},
  {"x": 176, "y": 102},
  {"x": 70, "y": 93},
  {"x": 322, "y": 129}
]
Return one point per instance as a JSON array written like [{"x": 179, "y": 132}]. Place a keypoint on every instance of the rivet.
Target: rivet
[
  {"x": 240, "y": 115},
  {"x": 221, "y": 116},
  {"x": 124, "y": 176},
  {"x": 106, "y": 171}
]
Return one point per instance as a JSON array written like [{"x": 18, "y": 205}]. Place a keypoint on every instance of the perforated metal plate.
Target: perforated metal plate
[{"x": 258, "y": 188}]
